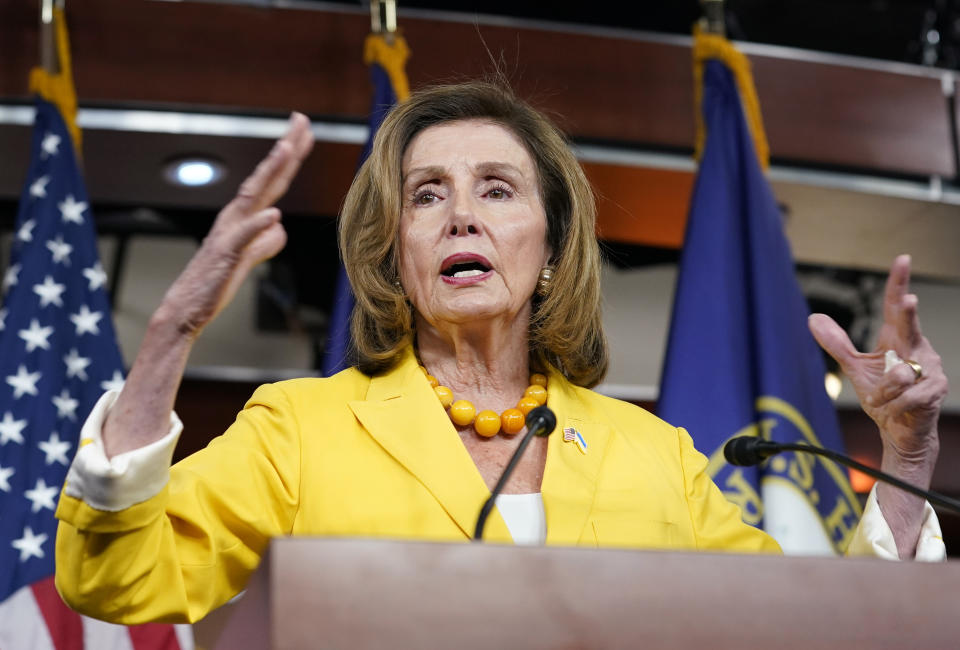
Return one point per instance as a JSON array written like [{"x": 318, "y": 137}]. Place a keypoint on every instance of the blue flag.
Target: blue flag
[
  {"x": 740, "y": 359},
  {"x": 385, "y": 96}
]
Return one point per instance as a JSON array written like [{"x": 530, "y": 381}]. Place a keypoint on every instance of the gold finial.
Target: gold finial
[
  {"x": 383, "y": 16},
  {"x": 712, "y": 20}
]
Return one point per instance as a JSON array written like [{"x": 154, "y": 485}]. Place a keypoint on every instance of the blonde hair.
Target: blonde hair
[{"x": 566, "y": 331}]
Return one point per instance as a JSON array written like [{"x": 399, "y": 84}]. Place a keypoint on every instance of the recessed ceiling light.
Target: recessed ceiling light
[{"x": 195, "y": 171}]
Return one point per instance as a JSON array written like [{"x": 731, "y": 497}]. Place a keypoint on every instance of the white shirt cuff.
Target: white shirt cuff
[
  {"x": 125, "y": 480},
  {"x": 873, "y": 536}
]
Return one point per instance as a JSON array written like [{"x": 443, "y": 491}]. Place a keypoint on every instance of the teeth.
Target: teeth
[{"x": 468, "y": 274}]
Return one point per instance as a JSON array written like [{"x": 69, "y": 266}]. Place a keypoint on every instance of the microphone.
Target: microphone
[
  {"x": 751, "y": 450},
  {"x": 540, "y": 422}
]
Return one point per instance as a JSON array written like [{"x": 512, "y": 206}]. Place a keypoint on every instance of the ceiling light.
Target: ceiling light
[
  {"x": 194, "y": 171},
  {"x": 833, "y": 384}
]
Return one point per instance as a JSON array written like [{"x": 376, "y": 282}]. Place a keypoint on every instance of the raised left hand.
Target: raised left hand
[{"x": 904, "y": 402}]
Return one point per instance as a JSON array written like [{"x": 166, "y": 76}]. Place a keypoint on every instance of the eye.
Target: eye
[
  {"x": 499, "y": 192},
  {"x": 424, "y": 198},
  {"x": 426, "y": 193}
]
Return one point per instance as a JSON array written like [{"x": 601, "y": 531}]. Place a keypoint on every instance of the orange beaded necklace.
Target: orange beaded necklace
[{"x": 487, "y": 423}]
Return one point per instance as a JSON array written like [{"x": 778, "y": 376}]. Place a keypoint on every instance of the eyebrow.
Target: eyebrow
[
  {"x": 432, "y": 171},
  {"x": 498, "y": 169},
  {"x": 490, "y": 168}
]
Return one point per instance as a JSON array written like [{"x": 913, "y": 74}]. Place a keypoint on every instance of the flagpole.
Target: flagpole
[{"x": 49, "y": 59}]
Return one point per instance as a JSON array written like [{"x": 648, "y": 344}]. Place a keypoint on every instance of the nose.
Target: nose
[{"x": 463, "y": 218}]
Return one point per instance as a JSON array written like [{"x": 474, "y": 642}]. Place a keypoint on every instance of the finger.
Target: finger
[
  {"x": 892, "y": 384},
  {"x": 833, "y": 339},
  {"x": 244, "y": 231},
  {"x": 923, "y": 397},
  {"x": 266, "y": 244},
  {"x": 301, "y": 134},
  {"x": 298, "y": 134},
  {"x": 301, "y": 139},
  {"x": 898, "y": 282},
  {"x": 908, "y": 324},
  {"x": 272, "y": 176},
  {"x": 252, "y": 195},
  {"x": 929, "y": 360}
]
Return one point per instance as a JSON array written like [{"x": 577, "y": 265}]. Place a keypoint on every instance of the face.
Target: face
[{"x": 472, "y": 227}]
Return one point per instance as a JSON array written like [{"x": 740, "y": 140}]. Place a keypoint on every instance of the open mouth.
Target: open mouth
[{"x": 465, "y": 269}]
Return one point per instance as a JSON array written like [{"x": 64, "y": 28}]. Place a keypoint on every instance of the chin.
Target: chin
[{"x": 471, "y": 310}]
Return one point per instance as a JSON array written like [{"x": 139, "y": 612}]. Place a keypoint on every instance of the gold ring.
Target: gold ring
[{"x": 916, "y": 367}]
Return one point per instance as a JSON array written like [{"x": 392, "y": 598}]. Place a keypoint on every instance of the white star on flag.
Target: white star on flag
[
  {"x": 3, "y": 319},
  {"x": 71, "y": 210},
  {"x": 66, "y": 405},
  {"x": 5, "y": 474},
  {"x": 25, "y": 233},
  {"x": 30, "y": 544},
  {"x": 11, "y": 429},
  {"x": 10, "y": 276},
  {"x": 60, "y": 250},
  {"x": 39, "y": 187},
  {"x": 41, "y": 496},
  {"x": 55, "y": 449},
  {"x": 114, "y": 383},
  {"x": 76, "y": 365},
  {"x": 50, "y": 144},
  {"x": 86, "y": 320},
  {"x": 36, "y": 336},
  {"x": 23, "y": 382},
  {"x": 96, "y": 275},
  {"x": 49, "y": 292}
]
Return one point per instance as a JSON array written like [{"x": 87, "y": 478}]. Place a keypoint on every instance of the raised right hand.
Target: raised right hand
[{"x": 246, "y": 232}]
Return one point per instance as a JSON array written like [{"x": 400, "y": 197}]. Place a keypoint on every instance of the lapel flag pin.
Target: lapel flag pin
[
  {"x": 572, "y": 435},
  {"x": 581, "y": 443}
]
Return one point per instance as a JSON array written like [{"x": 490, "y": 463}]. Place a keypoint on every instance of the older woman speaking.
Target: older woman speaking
[{"x": 468, "y": 237}]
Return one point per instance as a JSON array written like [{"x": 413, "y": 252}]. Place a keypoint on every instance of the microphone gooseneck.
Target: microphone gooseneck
[
  {"x": 540, "y": 422},
  {"x": 750, "y": 450}
]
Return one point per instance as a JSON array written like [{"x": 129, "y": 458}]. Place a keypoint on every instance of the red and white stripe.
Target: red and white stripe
[{"x": 35, "y": 618}]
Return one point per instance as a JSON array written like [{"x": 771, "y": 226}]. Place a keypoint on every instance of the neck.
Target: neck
[{"x": 487, "y": 365}]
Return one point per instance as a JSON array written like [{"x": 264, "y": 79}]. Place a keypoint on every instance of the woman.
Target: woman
[{"x": 468, "y": 238}]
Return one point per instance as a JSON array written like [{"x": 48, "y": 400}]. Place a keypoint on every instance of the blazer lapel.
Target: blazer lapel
[
  {"x": 570, "y": 476},
  {"x": 405, "y": 417}
]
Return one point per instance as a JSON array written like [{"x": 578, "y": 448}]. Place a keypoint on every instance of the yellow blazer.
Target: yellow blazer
[{"x": 363, "y": 456}]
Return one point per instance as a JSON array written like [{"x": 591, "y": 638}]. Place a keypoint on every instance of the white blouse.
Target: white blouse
[{"x": 525, "y": 517}]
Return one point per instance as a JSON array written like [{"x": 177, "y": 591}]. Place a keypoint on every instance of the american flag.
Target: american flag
[{"x": 58, "y": 354}]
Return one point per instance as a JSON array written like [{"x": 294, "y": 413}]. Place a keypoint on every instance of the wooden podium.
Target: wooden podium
[{"x": 348, "y": 593}]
